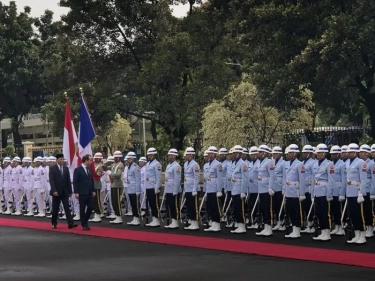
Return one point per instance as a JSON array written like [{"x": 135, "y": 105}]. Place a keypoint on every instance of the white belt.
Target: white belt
[
  {"x": 321, "y": 182},
  {"x": 236, "y": 180},
  {"x": 189, "y": 179},
  {"x": 261, "y": 179},
  {"x": 292, "y": 183},
  {"x": 148, "y": 179},
  {"x": 211, "y": 179},
  {"x": 131, "y": 181},
  {"x": 353, "y": 182},
  {"x": 169, "y": 180}
]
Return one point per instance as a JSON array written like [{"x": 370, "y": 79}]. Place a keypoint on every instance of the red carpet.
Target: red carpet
[{"x": 229, "y": 245}]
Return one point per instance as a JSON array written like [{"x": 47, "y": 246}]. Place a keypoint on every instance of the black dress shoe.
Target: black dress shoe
[
  {"x": 54, "y": 226},
  {"x": 86, "y": 228},
  {"x": 72, "y": 225}
]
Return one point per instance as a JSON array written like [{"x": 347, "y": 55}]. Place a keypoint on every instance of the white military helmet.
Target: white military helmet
[
  {"x": 314, "y": 149},
  {"x": 117, "y": 154},
  {"x": 365, "y": 148},
  {"x": 286, "y": 150},
  {"x": 263, "y": 148},
  {"x": 110, "y": 159},
  {"x": 16, "y": 159},
  {"x": 373, "y": 148},
  {"x": 237, "y": 148},
  {"x": 6, "y": 159},
  {"x": 308, "y": 148},
  {"x": 98, "y": 155},
  {"x": 212, "y": 149},
  {"x": 277, "y": 150},
  {"x": 244, "y": 150},
  {"x": 335, "y": 149},
  {"x": 131, "y": 154},
  {"x": 223, "y": 151},
  {"x": 293, "y": 148},
  {"x": 189, "y": 150},
  {"x": 27, "y": 160},
  {"x": 173, "y": 151},
  {"x": 151, "y": 151},
  {"x": 353, "y": 147},
  {"x": 321, "y": 148},
  {"x": 253, "y": 150},
  {"x": 344, "y": 148},
  {"x": 143, "y": 159},
  {"x": 38, "y": 159},
  {"x": 205, "y": 153}
]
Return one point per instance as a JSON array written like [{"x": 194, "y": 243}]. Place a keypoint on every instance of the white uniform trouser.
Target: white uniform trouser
[
  {"x": 75, "y": 203},
  {"x": 109, "y": 206},
  {"x": 7, "y": 194},
  {"x": 47, "y": 197},
  {"x": 17, "y": 194},
  {"x": 30, "y": 198},
  {"x": 142, "y": 201},
  {"x": 127, "y": 200},
  {"x": 40, "y": 198}
]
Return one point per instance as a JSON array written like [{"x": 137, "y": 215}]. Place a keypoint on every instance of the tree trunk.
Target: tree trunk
[{"x": 370, "y": 102}]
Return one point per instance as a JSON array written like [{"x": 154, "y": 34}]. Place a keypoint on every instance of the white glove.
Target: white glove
[
  {"x": 157, "y": 190},
  {"x": 372, "y": 197},
  {"x": 174, "y": 194},
  {"x": 219, "y": 194},
  {"x": 109, "y": 173},
  {"x": 301, "y": 198},
  {"x": 243, "y": 195},
  {"x": 194, "y": 193},
  {"x": 225, "y": 192},
  {"x": 341, "y": 198},
  {"x": 137, "y": 193},
  {"x": 329, "y": 199},
  {"x": 360, "y": 198},
  {"x": 271, "y": 192}
]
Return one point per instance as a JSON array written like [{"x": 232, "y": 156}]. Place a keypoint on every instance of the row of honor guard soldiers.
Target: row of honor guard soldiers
[{"x": 255, "y": 188}]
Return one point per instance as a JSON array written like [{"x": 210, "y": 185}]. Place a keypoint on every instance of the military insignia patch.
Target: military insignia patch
[
  {"x": 303, "y": 169},
  {"x": 373, "y": 170},
  {"x": 158, "y": 167},
  {"x": 364, "y": 167},
  {"x": 272, "y": 166},
  {"x": 178, "y": 170},
  {"x": 331, "y": 169},
  {"x": 245, "y": 167},
  {"x": 220, "y": 167}
]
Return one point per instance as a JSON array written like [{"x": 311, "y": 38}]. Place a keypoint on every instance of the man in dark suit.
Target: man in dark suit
[
  {"x": 83, "y": 182},
  {"x": 61, "y": 190}
]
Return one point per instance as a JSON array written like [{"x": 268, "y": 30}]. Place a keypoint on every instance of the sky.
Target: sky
[{"x": 39, "y": 6}]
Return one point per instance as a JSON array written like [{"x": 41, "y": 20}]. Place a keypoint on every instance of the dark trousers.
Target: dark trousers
[
  {"x": 265, "y": 201},
  {"x": 134, "y": 203},
  {"x": 368, "y": 210},
  {"x": 172, "y": 205},
  {"x": 86, "y": 203},
  {"x": 56, "y": 200},
  {"x": 356, "y": 214},
  {"x": 225, "y": 203},
  {"x": 213, "y": 207},
  {"x": 238, "y": 208},
  {"x": 97, "y": 202},
  {"x": 336, "y": 210},
  {"x": 306, "y": 204},
  {"x": 153, "y": 201},
  {"x": 293, "y": 209},
  {"x": 192, "y": 206},
  {"x": 277, "y": 201},
  {"x": 251, "y": 202},
  {"x": 116, "y": 200},
  {"x": 323, "y": 212}
]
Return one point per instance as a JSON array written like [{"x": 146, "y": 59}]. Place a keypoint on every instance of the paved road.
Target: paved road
[{"x": 36, "y": 255}]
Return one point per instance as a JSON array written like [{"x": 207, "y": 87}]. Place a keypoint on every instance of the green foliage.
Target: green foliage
[{"x": 9, "y": 151}]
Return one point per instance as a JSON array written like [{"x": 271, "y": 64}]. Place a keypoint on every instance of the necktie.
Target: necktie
[
  {"x": 87, "y": 171},
  {"x": 61, "y": 170}
]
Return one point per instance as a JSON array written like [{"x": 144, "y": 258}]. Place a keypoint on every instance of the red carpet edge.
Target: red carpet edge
[{"x": 219, "y": 244}]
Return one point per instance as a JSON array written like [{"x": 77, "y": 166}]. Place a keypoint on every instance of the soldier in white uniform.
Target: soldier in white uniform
[
  {"x": 128, "y": 209},
  {"x": 17, "y": 177},
  {"x": 39, "y": 186},
  {"x": 339, "y": 177},
  {"x": 191, "y": 188},
  {"x": 294, "y": 190},
  {"x": 107, "y": 180},
  {"x": 133, "y": 179},
  {"x": 253, "y": 183},
  {"x": 322, "y": 191},
  {"x": 364, "y": 152},
  {"x": 172, "y": 188},
  {"x": 142, "y": 199},
  {"x": 28, "y": 180},
  {"x": 356, "y": 179},
  {"x": 2, "y": 200},
  {"x": 153, "y": 184},
  {"x": 276, "y": 182},
  {"x": 7, "y": 185}
]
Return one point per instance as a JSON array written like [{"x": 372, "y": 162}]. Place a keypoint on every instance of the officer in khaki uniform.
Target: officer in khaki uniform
[{"x": 117, "y": 186}]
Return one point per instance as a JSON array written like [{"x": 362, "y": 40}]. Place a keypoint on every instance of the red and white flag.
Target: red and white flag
[{"x": 70, "y": 139}]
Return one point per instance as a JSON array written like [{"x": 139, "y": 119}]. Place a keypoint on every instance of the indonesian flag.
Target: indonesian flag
[
  {"x": 86, "y": 131},
  {"x": 70, "y": 139}
]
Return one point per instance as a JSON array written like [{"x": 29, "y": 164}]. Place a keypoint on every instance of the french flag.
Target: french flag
[
  {"x": 70, "y": 139},
  {"x": 86, "y": 131}
]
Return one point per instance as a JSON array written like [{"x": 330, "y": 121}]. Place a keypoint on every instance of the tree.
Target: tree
[
  {"x": 21, "y": 86},
  {"x": 243, "y": 117},
  {"x": 156, "y": 63}
]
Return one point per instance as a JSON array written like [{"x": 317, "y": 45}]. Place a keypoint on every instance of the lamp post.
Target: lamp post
[{"x": 144, "y": 131}]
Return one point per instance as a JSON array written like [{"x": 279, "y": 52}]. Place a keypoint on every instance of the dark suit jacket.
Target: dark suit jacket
[
  {"x": 83, "y": 183},
  {"x": 60, "y": 183}
]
